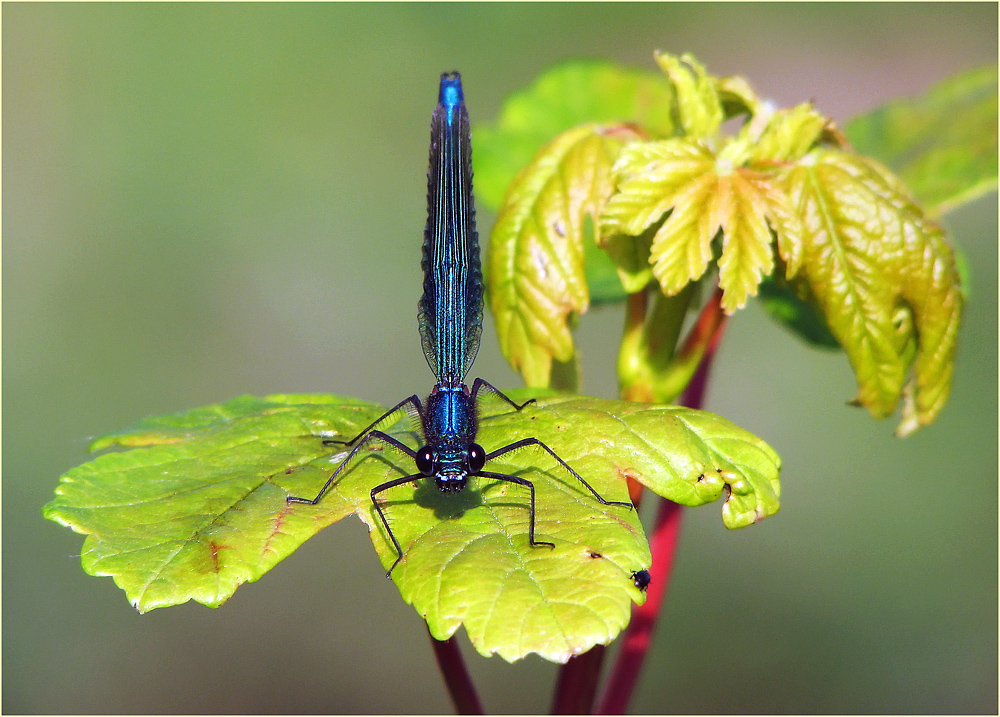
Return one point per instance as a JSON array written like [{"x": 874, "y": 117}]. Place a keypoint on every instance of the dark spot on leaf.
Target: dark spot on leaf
[
  {"x": 289, "y": 471},
  {"x": 595, "y": 554},
  {"x": 701, "y": 478},
  {"x": 641, "y": 578}
]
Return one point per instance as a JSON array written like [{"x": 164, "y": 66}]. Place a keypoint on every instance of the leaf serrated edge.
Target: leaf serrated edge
[{"x": 536, "y": 273}]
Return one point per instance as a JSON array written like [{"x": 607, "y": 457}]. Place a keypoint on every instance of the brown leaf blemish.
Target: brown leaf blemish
[
  {"x": 215, "y": 554},
  {"x": 279, "y": 521}
]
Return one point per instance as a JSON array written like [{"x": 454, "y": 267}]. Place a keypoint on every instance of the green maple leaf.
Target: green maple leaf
[
  {"x": 565, "y": 96},
  {"x": 884, "y": 279},
  {"x": 536, "y": 273},
  {"x": 698, "y": 104},
  {"x": 942, "y": 143},
  {"x": 198, "y": 507}
]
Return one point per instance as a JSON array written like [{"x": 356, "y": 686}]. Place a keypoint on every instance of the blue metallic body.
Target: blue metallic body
[
  {"x": 450, "y": 313},
  {"x": 450, "y": 318}
]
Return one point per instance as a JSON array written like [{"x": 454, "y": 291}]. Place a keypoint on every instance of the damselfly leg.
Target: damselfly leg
[
  {"x": 525, "y": 442},
  {"x": 368, "y": 438},
  {"x": 414, "y": 400},
  {"x": 480, "y": 385}
]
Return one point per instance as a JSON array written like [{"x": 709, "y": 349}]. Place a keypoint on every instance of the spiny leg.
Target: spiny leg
[
  {"x": 414, "y": 399},
  {"x": 524, "y": 442},
  {"x": 383, "y": 487},
  {"x": 531, "y": 516},
  {"x": 481, "y": 384},
  {"x": 372, "y": 436}
]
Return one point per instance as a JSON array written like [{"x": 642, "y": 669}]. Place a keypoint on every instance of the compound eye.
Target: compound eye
[
  {"x": 425, "y": 461},
  {"x": 477, "y": 457}
]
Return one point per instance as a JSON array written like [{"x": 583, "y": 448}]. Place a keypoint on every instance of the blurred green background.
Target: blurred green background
[{"x": 202, "y": 201}]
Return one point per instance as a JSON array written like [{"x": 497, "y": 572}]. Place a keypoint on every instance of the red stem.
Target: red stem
[
  {"x": 456, "y": 677},
  {"x": 577, "y": 684},
  {"x": 704, "y": 336},
  {"x": 694, "y": 393},
  {"x": 639, "y": 632},
  {"x": 663, "y": 545}
]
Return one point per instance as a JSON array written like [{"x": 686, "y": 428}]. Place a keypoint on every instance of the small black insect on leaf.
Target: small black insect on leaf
[{"x": 641, "y": 579}]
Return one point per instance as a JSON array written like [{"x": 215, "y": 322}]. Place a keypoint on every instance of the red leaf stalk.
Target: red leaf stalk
[
  {"x": 576, "y": 687},
  {"x": 456, "y": 677},
  {"x": 639, "y": 632},
  {"x": 663, "y": 544}
]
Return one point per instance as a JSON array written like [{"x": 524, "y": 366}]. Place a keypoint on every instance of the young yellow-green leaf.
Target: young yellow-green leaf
[
  {"x": 201, "y": 508},
  {"x": 535, "y": 269},
  {"x": 566, "y": 96},
  {"x": 942, "y": 143},
  {"x": 648, "y": 176},
  {"x": 883, "y": 277},
  {"x": 742, "y": 209},
  {"x": 789, "y": 134},
  {"x": 630, "y": 258},
  {"x": 705, "y": 194},
  {"x": 698, "y": 104},
  {"x": 736, "y": 96}
]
